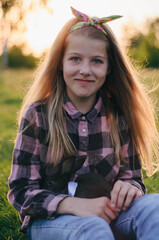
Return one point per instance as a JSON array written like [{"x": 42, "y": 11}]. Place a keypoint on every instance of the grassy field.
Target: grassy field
[
  {"x": 13, "y": 85},
  {"x": 12, "y": 88}
]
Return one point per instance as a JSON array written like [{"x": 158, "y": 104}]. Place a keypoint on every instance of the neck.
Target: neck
[{"x": 84, "y": 105}]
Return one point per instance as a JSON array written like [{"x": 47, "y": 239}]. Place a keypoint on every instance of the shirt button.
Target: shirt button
[
  {"x": 83, "y": 130},
  {"x": 83, "y": 118}
]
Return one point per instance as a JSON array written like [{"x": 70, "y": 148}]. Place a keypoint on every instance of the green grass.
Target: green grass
[{"x": 12, "y": 88}]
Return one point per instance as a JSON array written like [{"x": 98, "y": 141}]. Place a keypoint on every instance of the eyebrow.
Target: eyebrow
[{"x": 99, "y": 57}]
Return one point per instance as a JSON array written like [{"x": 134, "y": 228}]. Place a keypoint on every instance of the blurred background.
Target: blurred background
[{"x": 27, "y": 30}]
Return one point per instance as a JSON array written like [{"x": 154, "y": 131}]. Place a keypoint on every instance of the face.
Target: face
[{"x": 85, "y": 66}]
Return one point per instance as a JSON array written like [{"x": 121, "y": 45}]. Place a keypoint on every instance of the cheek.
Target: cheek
[
  {"x": 68, "y": 69},
  {"x": 102, "y": 81},
  {"x": 68, "y": 74},
  {"x": 102, "y": 73}
]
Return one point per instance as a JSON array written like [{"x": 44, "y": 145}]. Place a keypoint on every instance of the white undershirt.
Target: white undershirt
[{"x": 72, "y": 188}]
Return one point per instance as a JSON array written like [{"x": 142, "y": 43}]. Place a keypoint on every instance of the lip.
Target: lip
[{"x": 84, "y": 81}]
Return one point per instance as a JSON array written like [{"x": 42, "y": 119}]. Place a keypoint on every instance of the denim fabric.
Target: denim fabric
[
  {"x": 140, "y": 222},
  {"x": 69, "y": 227}
]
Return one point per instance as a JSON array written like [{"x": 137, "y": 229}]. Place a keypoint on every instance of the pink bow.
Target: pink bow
[{"x": 87, "y": 21}]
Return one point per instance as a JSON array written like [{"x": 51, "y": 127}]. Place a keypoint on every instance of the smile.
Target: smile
[{"x": 84, "y": 82}]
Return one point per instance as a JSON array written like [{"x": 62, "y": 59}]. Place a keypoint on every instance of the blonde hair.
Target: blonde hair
[{"x": 120, "y": 85}]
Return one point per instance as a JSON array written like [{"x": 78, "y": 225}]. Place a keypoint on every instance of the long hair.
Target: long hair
[{"x": 121, "y": 86}]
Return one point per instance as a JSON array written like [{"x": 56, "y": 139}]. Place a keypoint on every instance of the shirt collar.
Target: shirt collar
[{"x": 75, "y": 114}]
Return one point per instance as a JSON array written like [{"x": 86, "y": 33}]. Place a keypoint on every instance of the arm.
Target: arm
[
  {"x": 88, "y": 207},
  {"x": 129, "y": 185},
  {"x": 25, "y": 193}
]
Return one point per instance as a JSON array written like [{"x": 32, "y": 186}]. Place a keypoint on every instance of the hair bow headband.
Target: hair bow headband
[{"x": 87, "y": 21}]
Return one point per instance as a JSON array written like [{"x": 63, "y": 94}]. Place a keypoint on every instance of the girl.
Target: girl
[{"x": 85, "y": 100}]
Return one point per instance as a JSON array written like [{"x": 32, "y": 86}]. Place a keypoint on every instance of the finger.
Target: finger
[
  {"x": 138, "y": 194},
  {"x": 110, "y": 214},
  {"x": 114, "y": 194},
  {"x": 132, "y": 195},
  {"x": 129, "y": 198},
  {"x": 122, "y": 196},
  {"x": 106, "y": 218},
  {"x": 116, "y": 210}
]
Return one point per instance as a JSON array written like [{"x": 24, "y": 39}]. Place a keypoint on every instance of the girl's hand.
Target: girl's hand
[
  {"x": 123, "y": 194},
  {"x": 88, "y": 207}
]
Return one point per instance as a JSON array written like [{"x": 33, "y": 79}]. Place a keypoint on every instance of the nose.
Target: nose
[{"x": 85, "y": 69}]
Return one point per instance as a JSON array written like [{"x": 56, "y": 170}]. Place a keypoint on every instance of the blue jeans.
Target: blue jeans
[{"x": 140, "y": 221}]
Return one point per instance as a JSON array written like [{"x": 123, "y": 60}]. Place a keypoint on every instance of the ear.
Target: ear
[
  {"x": 79, "y": 161},
  {"x": 67, "y": 165}
]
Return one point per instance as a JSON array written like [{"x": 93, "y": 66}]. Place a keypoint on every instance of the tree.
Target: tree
[
  {"x": 11, "y": 24},
  {"x": 17, "y": 59},
  {"x": 8, "y": 25},
  {"x": 144, "y": 45}
]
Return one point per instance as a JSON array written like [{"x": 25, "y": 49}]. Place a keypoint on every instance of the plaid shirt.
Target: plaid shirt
[{"x": 91, "y": 136}]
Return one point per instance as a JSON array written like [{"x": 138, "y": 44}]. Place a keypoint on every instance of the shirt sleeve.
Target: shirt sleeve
[
  {"x": 130, "y": 168},
  {"x": 25, "y": 193}
]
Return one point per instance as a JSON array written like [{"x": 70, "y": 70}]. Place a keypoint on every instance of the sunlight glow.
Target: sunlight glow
[
  {"x": 38, "y": 34},
  {"x": 43, "y": 25}
]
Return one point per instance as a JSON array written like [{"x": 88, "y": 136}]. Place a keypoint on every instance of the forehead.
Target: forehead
[{"x": 78, "y": 42}]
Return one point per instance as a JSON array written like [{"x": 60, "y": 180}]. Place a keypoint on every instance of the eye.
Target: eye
[
  {"x": 75, "y": 59},
  {"x": 97, "y": 61}
]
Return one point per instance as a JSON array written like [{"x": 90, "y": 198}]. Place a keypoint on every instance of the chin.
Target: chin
[{"x": 84, "y": 96}]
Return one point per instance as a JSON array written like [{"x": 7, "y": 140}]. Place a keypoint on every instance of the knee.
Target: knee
[
  {"x": 96, "y": 222},
  {"x": 97, "y": 226},
  {"x": 147, "y": 217},
  {"x": 150, "y": 201},
  {"x": 148, "y": 204}
]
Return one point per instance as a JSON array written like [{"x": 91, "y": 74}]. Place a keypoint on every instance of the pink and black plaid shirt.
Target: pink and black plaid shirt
[{"x": 91, "y": 136}]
